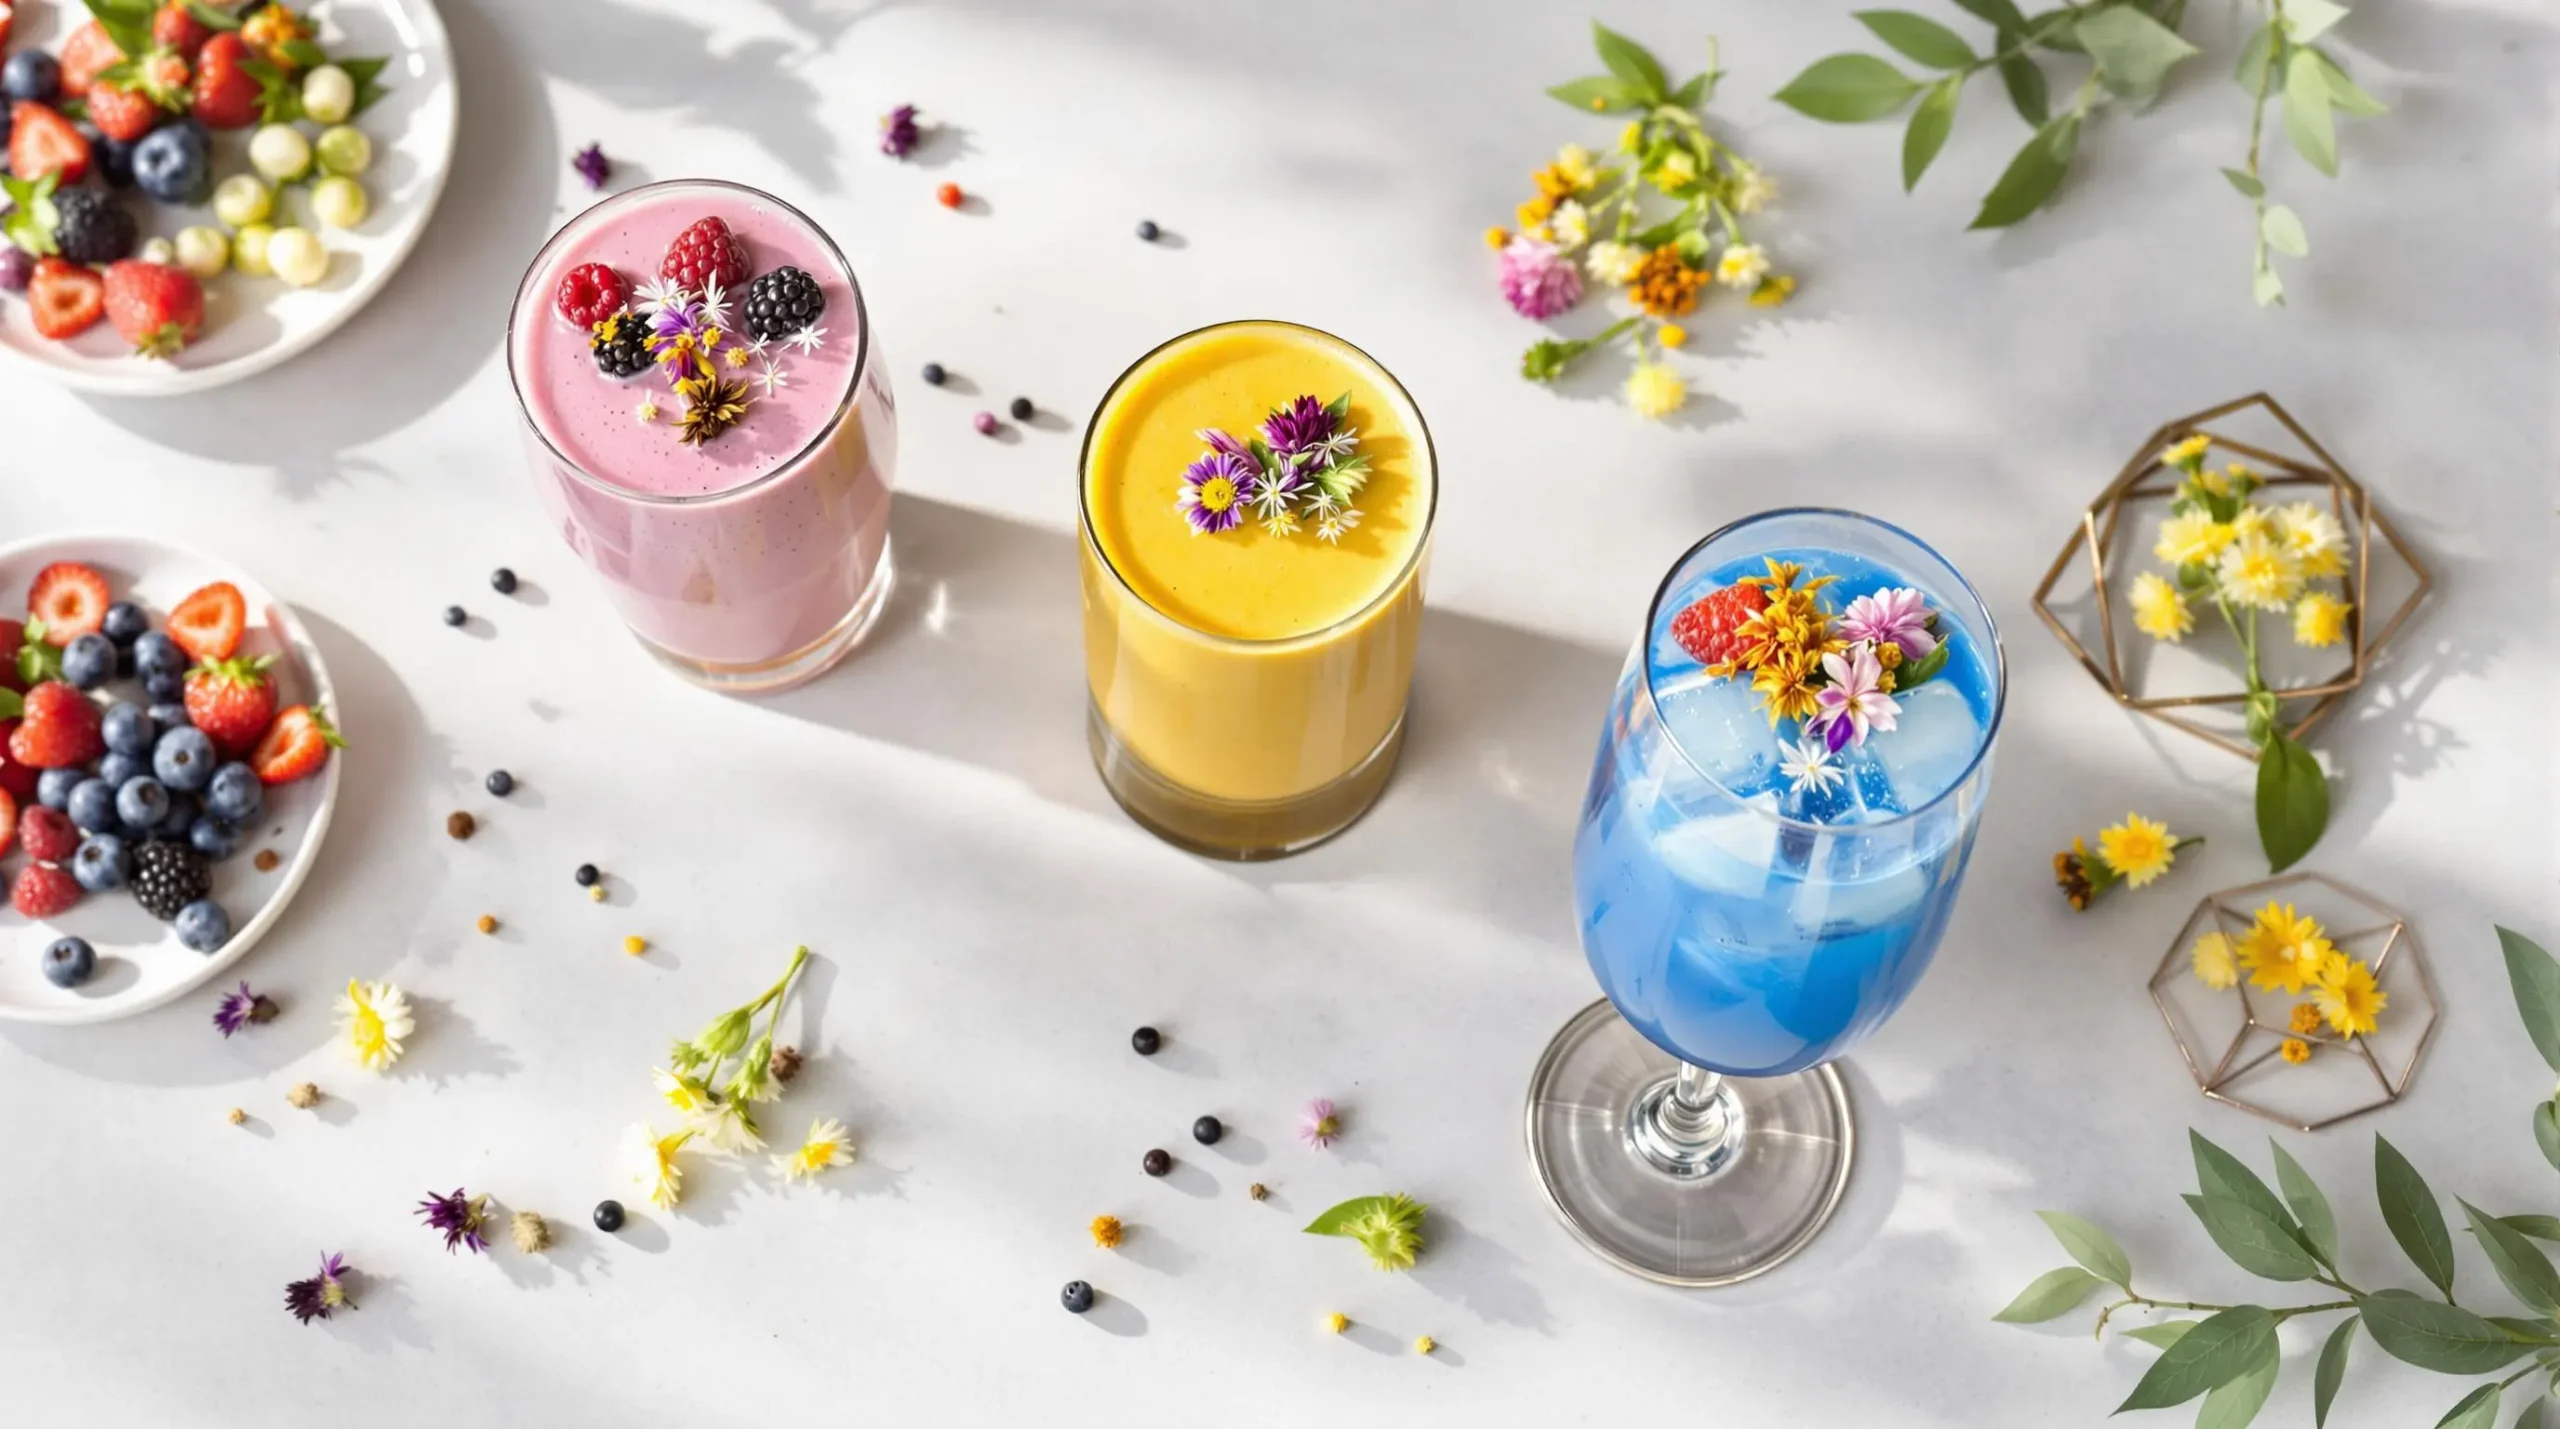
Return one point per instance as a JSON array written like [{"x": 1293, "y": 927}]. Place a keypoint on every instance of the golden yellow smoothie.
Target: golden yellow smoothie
[{"x": 1257, "y": 512}]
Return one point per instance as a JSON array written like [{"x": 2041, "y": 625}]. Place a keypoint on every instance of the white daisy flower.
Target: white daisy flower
[
  {"x": 807, "y": 339},
  {"x": 1810, "y": 768},
  {"x": 657, "y": 295},
  {"x": 773, "y": 378},
  {"x": 1332, "y": 527}
]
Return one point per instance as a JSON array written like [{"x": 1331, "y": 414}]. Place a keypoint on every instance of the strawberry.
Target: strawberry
[
  {"x": 123, "y": 115},
  {"x": 42, "y": 142},
  {"x": 70, "y": 598},
  {"x": 8, "y": 820},
  {"x": 298, "y": 743},
  {"x": 1706, "y": 628},
  {"x": 44, "y": 890},
  {"x": 18, "y": 781},
  {"x": 207, "y": 624},
  {"x": 12, "y": 635},
  {"x": 5, "y": 17},
  {"x": 65, "y": 299},
  {"x": 175, "y": 27},
  {"x": 704, "y": 253},
  {"x": 58, "y": 730},
  {"x": 157, "y": 307},
  {"x": 49, "y": 834},
  {"x": 227, "y": 96},
  {"x": 231, "y": 701},
  {"x": 591, "y": 293},
  {"x": 89, "y": 50}
]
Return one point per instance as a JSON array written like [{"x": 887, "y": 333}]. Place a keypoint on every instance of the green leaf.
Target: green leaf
[
  {"x": 2248, "y": 187},
  {"x": 2164, "y": 1334},
  {"x": 2332, "y": 1370},
  {"x": 367, "y": 73},
  {"x": 2282, "y": 228},
  {"x": 2311, "y": 1210},
  {"x": 2024, "y": 79},
  {"x": 1919, "y": 38},
  {"x": 2308, "y": 20},
  {"x": 2049, "y": 1296},
  {"x": 2409, "y": 1208},
  {"x": 2033, "y": 175},
  {"x": 2096, "y": 1250},
  {"x": 12, "y": 704},
  {"x": 1848, "y": 89},
  {"x": 2234, "y": 1403},
  {"x": 2221, "y": 1349},
  {"x": 1632, "y": 63},
  {"x": 2254, "y": 1242},
  {"x": 2268, "y": 289},
  {"x": 2307, "y": 120},
  {"x": 212, "y": 18},
  {"x": 2538, "y": 1227},
  {"x": 2256, "y": 54},
  {"x": 2527, "y": 1332},
  {"x": 2345, "y": 92},
  {"x": 1597, "y": 94},
  {"x": 2535, "y": 977},
  {"x": 33, "y": 215},
  {"x": 2134, "y": 53},
  {"x": 1923, "y": 670},
  {"x": 1333, "y": 1221},
  {"x": 127, "y": 22},
  {"x": 303, "y": 53},
  {"x": 2445, "y": 1338},
  {"x": 2221, "y": 1174},
  {"x": 1693, "y": 93},
  {"x": 1927, "y": 133},
  {"x": 2477, "y": 1410},
  {"x": 2546, "y": 1132},
  {"x": 2536, "y": 1415},
  {"x": 2002, "y": 13},
  {"x": 2520, "y": 1264},
  {"x": 2293, "y": 800},
  {"x": 2052, "y": 29}
]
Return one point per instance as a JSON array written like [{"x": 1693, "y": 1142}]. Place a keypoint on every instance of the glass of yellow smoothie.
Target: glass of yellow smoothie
[{"x": 1257, "y": 501}]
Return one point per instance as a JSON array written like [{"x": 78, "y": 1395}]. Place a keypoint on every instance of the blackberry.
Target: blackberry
[
  {"x": 92, "y": 228},
  {"x": 783, "y": 302},
  {"x": 621, "y": 345},
  {"x": 168, "y": 877}
]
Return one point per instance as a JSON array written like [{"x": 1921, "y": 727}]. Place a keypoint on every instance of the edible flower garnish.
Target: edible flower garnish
[
  {"x": 375, "y": 1017},
  {"x": 322, "y": 1295},
  {"x": 2133, "y": 853},
  {"x": 1388, "y": 1227},
  {"x": 1301, "y": 469},
  {"x": 463, "y": 1219},
  {"x": 240, "y": 1008}
]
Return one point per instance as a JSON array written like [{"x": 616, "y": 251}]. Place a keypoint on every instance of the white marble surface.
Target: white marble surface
[{"x": 991, "y": 928}]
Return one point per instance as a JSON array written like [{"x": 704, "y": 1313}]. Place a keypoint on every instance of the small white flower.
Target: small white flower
[
  {"x": 658, "y": 294},
  {"x": 729, "y": 1127},
  {"x": 828, "y": 1145},
  {"x": 1338, "y": 447},
  {"x": 1613, "y": 262},
  {"x": 1283, "y": 524},
  {"x": 1322, "y": 503},
  {"x": 1571, "y": 225},
  {"x": 1332, "y": 527},
  {"x": 1742, "y": 266},
  {"x": 773, "y": 378},
  {"x": 647, "y": 411},
  {"x": 1271, "y": 495},
  {"x": 807, "y": 339},
  {"x": 715, "y": 304},
  {"x": 1809, "y": 767},
  {"x": 1753, "y": 189}
]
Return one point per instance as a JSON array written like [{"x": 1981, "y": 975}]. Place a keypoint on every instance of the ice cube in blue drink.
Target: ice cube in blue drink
[
  {"x": 1931, "y": 745},
  {"x": 1719, "y": 724}
]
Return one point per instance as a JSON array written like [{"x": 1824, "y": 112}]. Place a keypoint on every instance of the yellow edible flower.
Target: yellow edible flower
[
  {"x": 1497, "y": 237},
  {"x": 2215, "y": 965},
  {"x": 2255, "y": 570},
  {"x": 650, "y": 1160},
  {"x": 2283, "y": 950},
  {"x": 827, "y": 1145},
  {"x": 1671, "y": 335},
  {"x": 1773, "y": 290},
  {"x": 2191, "y": 539},
  {"x": 375, "y": 1017},
  {"x": 2317, "y": 541},
  {"x": 1742, "y": 265},
  {"x": 2159, "y": 611},
  {"x": 1655, "y": 391},
  {"x": 2347, "y": 995},
  {"x": 2304, "y": 1020},
  {"x": 2319, "y": 620},
  {"x": 2188, "y": 454},
  {"x": 1106, "y": 1231},
  {"x": 2295, "y": 1051},
  {"x": 2138, "y": 849}
]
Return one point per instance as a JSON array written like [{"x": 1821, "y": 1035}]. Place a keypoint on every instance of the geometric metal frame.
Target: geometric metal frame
[
  {"x": 2215, "y": 1072},
  {"x": 2144, "y": 479}
]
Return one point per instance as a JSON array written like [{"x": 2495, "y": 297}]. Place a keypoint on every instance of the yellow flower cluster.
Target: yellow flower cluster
[
  {"x": 1781, "y": 645},
  {"x": 1572, "y": 174},
  {"x": 2287, "y": 951},
  {"x": 2134, "y": 853},
  {"x": 1665, "y": 285},
  {"x": 2242, "y": 556}
]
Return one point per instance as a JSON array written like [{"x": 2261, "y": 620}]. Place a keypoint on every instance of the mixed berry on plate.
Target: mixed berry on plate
[
  {"x": 131, "y": 758},
  {"x": 115, "y": 133}
]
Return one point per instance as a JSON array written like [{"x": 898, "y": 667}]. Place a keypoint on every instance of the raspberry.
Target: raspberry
[
  {"x": 702, "y": 254},
  {"x": 43, "y": 891},
  {"x": 1706, "y": 628},
  {"x": 49, "y": 834},
  {"x": 591, "y": 293}
]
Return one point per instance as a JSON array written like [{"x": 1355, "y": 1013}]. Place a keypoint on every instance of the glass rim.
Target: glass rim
[
  {"x": 1999, "y": 667},
  {"x": 1393, "y": 589},
  {"x": 781, "y": 468}
]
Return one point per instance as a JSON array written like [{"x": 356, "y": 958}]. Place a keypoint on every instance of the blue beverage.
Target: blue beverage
[{"x": 1748, "y": 922}]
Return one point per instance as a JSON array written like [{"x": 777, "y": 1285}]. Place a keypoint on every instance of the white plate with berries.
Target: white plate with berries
[
  {"x": 167, "y": 765},
  {"x": 224, "y": 201}
]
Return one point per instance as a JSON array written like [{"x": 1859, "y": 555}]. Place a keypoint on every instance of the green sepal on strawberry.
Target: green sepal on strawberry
[
  {"x": 157, "y": 307},
  {"x": 232, "y": 701},
  {"x": 42, "y": 142},
  {"x": 38, "y": 659},
  {"x": 59, "y": 729},
  {"x": 127, "y": 98},
  {"x": 32, "y": 217},
  {"x": 1705, "y": 629},
  {"x": 296, "y": 745}
]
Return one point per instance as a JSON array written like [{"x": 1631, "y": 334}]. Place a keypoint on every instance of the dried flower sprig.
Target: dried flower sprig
[
  {"x": 531, "y": 1233},
  {"x": 1664, "y": 226},
  {"x": 241, "y": 1007},
  {"x": 1106, "y": 1231},
  {"x": 898, "y": 132},
  {"x": 2132, "y": 853},
  {"x": 1388, "y": 1227},
  {"x": 464, "y": 1219},
  {"x": 323, "y": 1294}
]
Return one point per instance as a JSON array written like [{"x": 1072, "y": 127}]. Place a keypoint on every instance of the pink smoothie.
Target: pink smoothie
[{"x": 745, "y": 551}]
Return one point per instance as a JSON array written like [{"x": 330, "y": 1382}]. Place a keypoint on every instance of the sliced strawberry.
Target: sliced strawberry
[
  {"x": 48, "y": 834},
  {"x": 207, "y": 624},
  {"x": 227, "y": 96},
  {"x": 1706, "y": 628},
  {"x": 44, "y": 890},
  {"x": 8, "y": 820},
  {"x": 89, "y": 50},
  {"x": 158, "y": 307},
  {"x": 65, "y": 299},
  {"x": 231, "y": 701},
  {"x": 176, "y": 27},
  {"x": 42, "y": 142},
  {"x": 18, "y": 781},
  {"x": 12, "y": 635},
  {"x": 123, "y": 115},
  {"x": 70, "y": 598},
  {"x": 58, "y": 730},
  {"x": 297, "y": 744}
]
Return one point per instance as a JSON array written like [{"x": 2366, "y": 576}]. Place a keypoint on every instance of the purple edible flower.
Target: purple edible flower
[
  {"x": 1214, "y": 492},
  {"x": 1898, "y": 616},
  {"x": 321, "y": 1295},
  {"x": 462, "y": 1219},
  {"x": 898, "y": 132},
  {"x": 238, "y": 1009},
  {"x": 1219, "y": 441},
  {"x": 592, "y": 165},
  {"x": 1854, "y": 704},
  {"x": 1299, "y": 432}
]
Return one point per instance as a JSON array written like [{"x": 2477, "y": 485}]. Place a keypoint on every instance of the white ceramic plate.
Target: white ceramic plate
[
  {"x": 251, "y": 324},
  {"x": 141, "y": 963}
]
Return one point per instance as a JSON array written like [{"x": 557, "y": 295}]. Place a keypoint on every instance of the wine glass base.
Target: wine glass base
[{"x": 1747, "y": 1215}]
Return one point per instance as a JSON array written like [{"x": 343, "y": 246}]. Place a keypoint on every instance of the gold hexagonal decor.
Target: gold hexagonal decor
[
  {"x": 2185, "y": 685},
  {"x": 2232, "y": 1038}
]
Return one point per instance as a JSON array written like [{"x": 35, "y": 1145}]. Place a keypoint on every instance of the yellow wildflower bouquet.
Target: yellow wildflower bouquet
[{"x": 2289, "y": 953}]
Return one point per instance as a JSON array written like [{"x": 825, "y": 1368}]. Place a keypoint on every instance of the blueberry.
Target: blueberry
[
  {"x": 1077, "y": 1297},
  {"x": 203, "y": 926},
  {"x": 587, "y": 875},
  {"x": 142, "y": 803},
  {"x": 235, "y": 793},
  {"x": 181, "y": 822},
  {"x": 157, "y": 654},
  {"x": 174, "y": 163},
  {"x": 501, "y": 783},
  {"x": 69, "y": 961},
  {"x": 1022, "y": 409},
  {"x": 183, "y": 759},
  {"x": 167, "y": 715},
  {"x": 1146, "y": 1040},
  {"x": 1156, "y": 1162},
  {"x": 1207, "y": 1130},
  {"x": 1148, "y": 231},
  {"x": 89, "y": 661},
  {"x": 54, "y": 786},
  {"x": 453, "y": 615},
  {"x": 115, "y": 161},
  {"x": 934, "y": 376},
  {"x": 128, "y": 729},
  {"x": 101, "y": 863},
  {"x": 93, "y": 807},
  {"x": 608, "y": 1216},
  {"x": 125, "y": 622},
  {"x": 503, "y": 581},
  {"x": 166, "y": 688},
  {"x": 124, "y": 662},
  {"x": 216, "y": 839},
  {"x": 120, "y": 769},
  {"x": 31, "y": 74}
]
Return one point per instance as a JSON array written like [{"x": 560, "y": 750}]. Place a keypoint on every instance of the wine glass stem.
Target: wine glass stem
[{"x": 1687, "y": 1126}]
